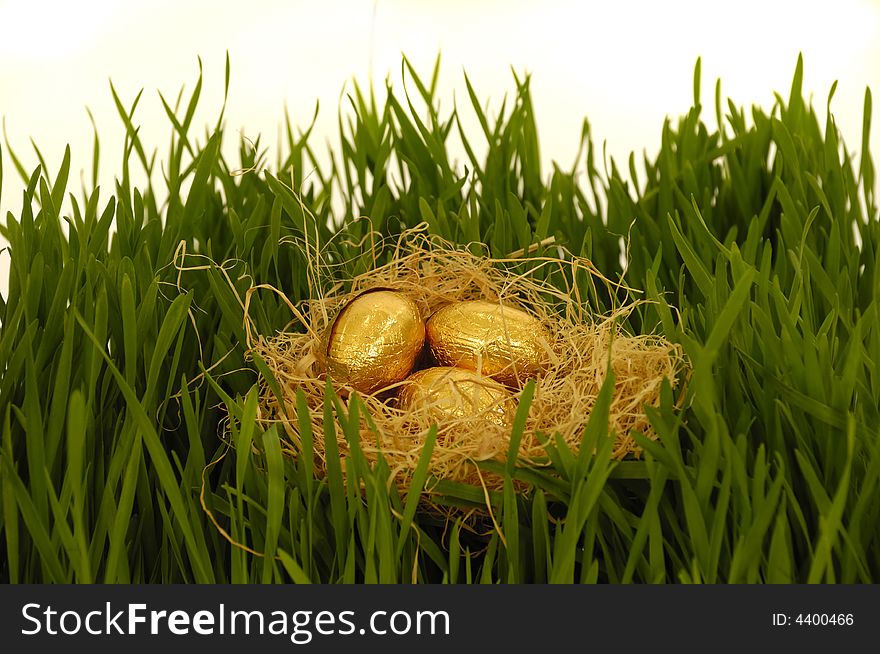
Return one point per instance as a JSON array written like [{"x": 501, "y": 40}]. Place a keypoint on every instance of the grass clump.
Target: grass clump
[{"x": 755, "y": 241}]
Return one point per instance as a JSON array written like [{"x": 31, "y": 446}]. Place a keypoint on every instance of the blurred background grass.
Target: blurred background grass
[{"x": 618, "y": 63}]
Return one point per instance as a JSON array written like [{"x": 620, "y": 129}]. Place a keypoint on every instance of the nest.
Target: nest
[{"x": 434, "y": 273}]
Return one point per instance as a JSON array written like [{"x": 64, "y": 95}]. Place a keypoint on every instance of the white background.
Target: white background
[{"x": 624, "y": 64}]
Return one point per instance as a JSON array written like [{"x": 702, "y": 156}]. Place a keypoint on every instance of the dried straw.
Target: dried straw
[{"x": 433, "y": 273}]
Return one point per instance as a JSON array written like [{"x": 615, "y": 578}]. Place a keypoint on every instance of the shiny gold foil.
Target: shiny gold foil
[
  {"x": 455, "y": 393},
  {"x": 375, "y": 340},
  {"x": 502, "y": 342}
]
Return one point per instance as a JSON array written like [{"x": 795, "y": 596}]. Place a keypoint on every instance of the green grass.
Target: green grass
[{"x": 755, "y": 239}]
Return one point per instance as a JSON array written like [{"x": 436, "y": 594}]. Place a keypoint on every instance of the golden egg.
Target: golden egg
[
  {"x": 455, "y": 393},
  {"x": 375, "y": 340},
  {"x": 500, "y": 341}
]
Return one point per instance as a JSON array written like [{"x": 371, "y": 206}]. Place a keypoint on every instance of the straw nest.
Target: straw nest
[{"x": 434, "y": 273}]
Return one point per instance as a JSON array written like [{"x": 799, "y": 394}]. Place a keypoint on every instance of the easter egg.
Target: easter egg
[
  {"x": 447, "y": 393},
  {"x": 374, "y": 341},
  {"x": 500, "y": 341}
]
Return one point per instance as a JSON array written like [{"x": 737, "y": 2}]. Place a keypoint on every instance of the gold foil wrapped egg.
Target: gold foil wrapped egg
[
  {"x": 502, "y": 342},
  {"x": 375, "y": 340},
  {"x": 456, "y": 393}
]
